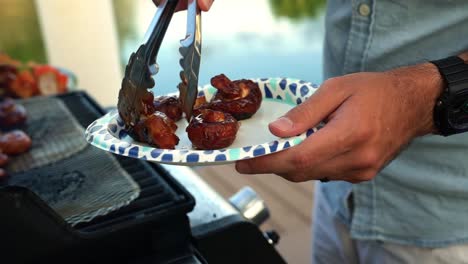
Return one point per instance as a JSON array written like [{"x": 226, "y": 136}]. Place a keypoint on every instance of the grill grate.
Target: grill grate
[
  {"x": 155, "y": 224},
  {"x": 158, "y": 192}
]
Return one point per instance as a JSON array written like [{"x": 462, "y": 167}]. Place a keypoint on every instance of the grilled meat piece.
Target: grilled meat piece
[
  {"x": 157, "y": 130},
  {"x": 170, "y": 105},
  {"x": 241, "y": 98},
  {"x": 210, "y": 129}
]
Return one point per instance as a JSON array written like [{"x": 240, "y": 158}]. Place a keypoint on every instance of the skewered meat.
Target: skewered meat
[
  {"x": 7, "y": 75},
  {"x": 49, "y": 80},
  {"x": 241, "y": 98},
  {"x": 24, "y": 86},
  {"x": 157, "y": 130},
  {"x": 4, "y": 159},
  {"x": 170, "y": 105},
  {"x": 15, "y": 142},
  {"x": 11, "y": 114},
  {"x": 210, "y": 129},
  {"x": 20, "y": 80}
]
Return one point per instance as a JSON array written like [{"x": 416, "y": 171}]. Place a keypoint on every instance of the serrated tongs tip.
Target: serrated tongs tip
[
  {"x": 134, "y": 94},
  {"x": 190, "y": 51}
]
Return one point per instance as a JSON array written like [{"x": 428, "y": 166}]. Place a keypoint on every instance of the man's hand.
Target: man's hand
[
  {"x": 369, "y": 118},
  {"x": 204, "y": 5}
]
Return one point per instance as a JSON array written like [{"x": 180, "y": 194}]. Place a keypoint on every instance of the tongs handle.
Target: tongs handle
[{"x": 157, "y": 29}]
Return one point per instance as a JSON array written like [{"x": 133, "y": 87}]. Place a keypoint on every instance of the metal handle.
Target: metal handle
[
  {"x": 250, "y": 205},
  {"x": 157, "y": 29}
]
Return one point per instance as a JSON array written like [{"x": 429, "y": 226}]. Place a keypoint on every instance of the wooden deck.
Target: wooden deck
[{"x": 290, "y": 206}]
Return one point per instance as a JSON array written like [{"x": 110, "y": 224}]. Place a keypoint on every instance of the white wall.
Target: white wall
[{"x": 82, "y": 36}]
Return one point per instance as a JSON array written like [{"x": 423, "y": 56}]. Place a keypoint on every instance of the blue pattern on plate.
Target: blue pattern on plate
[
  {"x": 113, "y": 128},
  {"x": 220, "y": 157},
  {"x": 273, "y": 146},
  {"x": 247, "y": 149},
  {"x": 122, "y": 134},
  {"x": 268, "y": 93},
  {"x": 304, "y": 90},
  {"x": 193, "y": 157},
  {"x": 259, "y": 151},
  {"x": 293, "y": 88},
  {"x": 167, "y": 157},
  {"x": 133, "y": 152},
  {"x": 156, "y": 153},
  {"x": 283, "y": 84},
  {"x": 108, "y": 132},
  {"x": 121, "y": 150}
]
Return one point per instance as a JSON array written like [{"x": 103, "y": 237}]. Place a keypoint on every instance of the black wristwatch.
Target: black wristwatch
[{"x": 451, "y": 109}]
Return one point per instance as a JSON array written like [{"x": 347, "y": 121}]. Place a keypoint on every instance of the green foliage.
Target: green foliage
[
  {"x": 297, "y": 9},
  {"x": 20, "y": 34}
]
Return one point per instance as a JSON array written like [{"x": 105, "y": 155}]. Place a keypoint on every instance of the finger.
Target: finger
[
  {"x": 352, "y": 176},
  {"x": 321, "y": 146},
  {"x": 348, "y": 166},
  {"x": 310, "y": 113},
  {"x": 273, "y": 163},
  {"x": 205, "y": 5}
]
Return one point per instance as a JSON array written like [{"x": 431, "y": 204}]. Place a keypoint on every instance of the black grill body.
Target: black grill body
[
  {"x": 156, "y": 223},
  {"x": 160, "y": 226}
]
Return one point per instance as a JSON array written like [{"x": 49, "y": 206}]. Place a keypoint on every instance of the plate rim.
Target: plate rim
[{"x": 191, "y": 157}]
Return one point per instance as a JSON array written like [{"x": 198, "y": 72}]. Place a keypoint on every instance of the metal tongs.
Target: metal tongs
[{"x": 142, "y": 64}]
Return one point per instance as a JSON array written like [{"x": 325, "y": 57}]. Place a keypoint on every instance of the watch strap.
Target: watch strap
[{"x": 454, "y": 72}]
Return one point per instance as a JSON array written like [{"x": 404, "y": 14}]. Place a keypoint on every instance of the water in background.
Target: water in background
[{"x": 242, "y": 38}]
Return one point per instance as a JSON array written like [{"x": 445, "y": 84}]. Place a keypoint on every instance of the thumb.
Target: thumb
[
  {"x": 205, "y": 5},
  {"x": 310, "y": 113}
]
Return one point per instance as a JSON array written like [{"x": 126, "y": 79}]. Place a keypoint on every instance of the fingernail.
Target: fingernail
[
  {"x": 243, "y": 167},
  {"x": 283, "y": 124}
]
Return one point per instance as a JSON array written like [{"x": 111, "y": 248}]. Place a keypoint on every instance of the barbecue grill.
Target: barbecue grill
[{"x": 176, "y": 217}]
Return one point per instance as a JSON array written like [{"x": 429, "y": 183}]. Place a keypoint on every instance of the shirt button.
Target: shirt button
[{"x": 364, "y": 9}]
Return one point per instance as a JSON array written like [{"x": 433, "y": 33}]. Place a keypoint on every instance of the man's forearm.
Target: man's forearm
[{"x": 464, "y": 56}]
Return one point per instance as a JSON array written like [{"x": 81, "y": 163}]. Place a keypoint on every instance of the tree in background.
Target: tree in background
[
  {"x": 297, "y": 9},
  {"x": 20, "y": 33}
]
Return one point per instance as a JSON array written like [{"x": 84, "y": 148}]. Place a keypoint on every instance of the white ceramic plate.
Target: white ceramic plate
[{"x": 253, "y": 139}]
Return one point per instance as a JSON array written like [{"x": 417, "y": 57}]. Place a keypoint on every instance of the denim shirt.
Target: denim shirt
[{"x": 421, "y": 197}]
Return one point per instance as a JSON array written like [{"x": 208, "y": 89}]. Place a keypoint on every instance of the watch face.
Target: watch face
[{"x": 458, "y": 114}]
